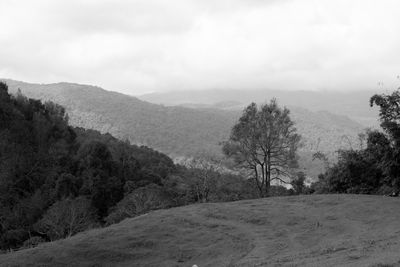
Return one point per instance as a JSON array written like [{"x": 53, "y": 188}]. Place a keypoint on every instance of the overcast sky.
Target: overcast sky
[{"x": 137, "y": 47}]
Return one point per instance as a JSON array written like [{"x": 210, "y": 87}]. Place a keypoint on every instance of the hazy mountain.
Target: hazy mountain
[
  {"x": 179, "y": 131},
  {"x": 354, "y": 104}
]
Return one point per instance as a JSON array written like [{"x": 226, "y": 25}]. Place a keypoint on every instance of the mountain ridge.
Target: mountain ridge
[{"x": 354, "y": 104}]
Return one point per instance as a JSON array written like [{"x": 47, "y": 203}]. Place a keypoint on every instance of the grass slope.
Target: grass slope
[{"x": 316, "y": 230}]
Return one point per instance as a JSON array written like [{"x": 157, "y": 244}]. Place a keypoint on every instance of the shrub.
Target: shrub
[{"x": 33, "y": 242}]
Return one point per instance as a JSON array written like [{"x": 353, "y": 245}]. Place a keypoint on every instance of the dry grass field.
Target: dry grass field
[{"x": 316, "y": 230}]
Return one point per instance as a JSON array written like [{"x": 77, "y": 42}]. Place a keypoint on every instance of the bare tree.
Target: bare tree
[
  {"x": 264, "y": 142},
  {"x": 66, "y": 218},
  {"x": 203, "y": 172}
]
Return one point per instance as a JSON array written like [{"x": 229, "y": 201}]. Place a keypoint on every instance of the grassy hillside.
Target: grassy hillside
[
  {"x": 181, "y": 131},
  {"x": 316, "y": 230}
]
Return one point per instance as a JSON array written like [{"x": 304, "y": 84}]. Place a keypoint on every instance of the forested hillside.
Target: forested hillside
[
  {"x": 173, "y": 130},
  {"x": 180, "y": 131},
  {"x": 56, "y": 181}
]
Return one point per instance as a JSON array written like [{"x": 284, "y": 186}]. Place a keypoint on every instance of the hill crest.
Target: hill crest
[{"x": 313, "y": 230}]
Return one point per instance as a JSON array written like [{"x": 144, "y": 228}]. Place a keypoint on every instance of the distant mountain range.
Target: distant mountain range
[
  {"x": 354, "y": 104},
  {"x": 178, "y": 130}
]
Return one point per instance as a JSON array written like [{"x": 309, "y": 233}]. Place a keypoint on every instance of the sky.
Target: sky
[{"x": 138, "y": 47}]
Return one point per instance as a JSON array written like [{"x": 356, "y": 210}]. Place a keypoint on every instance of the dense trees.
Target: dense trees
[
  {"x": 264, "y": 141},
  {"x": 389, "y": 145},
  {"x": 56, "y": 180},
  {"x": 375, "y": 168}
]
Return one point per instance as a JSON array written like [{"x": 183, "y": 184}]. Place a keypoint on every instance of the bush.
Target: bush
[
  {"x": 278, "y": 190},
  {"x": 230, "y": 187},
  {"x": 298, "y": 183},
  {"x": 33, "y": 242},
  {"x": 385, "y": 190}
]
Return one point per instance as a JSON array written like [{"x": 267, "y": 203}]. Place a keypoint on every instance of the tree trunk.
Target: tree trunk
[
  {"x": 267, "y": 173},
  {"x": 260, "y": 187}
]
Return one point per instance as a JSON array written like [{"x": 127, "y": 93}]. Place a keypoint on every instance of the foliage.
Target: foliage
[
  {"x": 298, "y": 183},
  {"x": 358, "y": 171},
  {"x": 278, "y": 190},
  {"x": 374, "y": 169},
  {"x": 389, "y": 145},
  {"x": 232, "y": 187}
]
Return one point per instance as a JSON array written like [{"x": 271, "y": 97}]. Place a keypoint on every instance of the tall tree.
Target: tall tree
[
  {"x": 389, "y": 114},
  {"x": 264, "y": 142}
]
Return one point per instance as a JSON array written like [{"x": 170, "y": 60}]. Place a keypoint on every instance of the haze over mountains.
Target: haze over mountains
[
  {"x": 354, "y": 104},
  {"x": 183, "y": 131}
]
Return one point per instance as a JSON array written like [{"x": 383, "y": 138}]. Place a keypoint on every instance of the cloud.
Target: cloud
[{"x": 155, "y": 45}]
